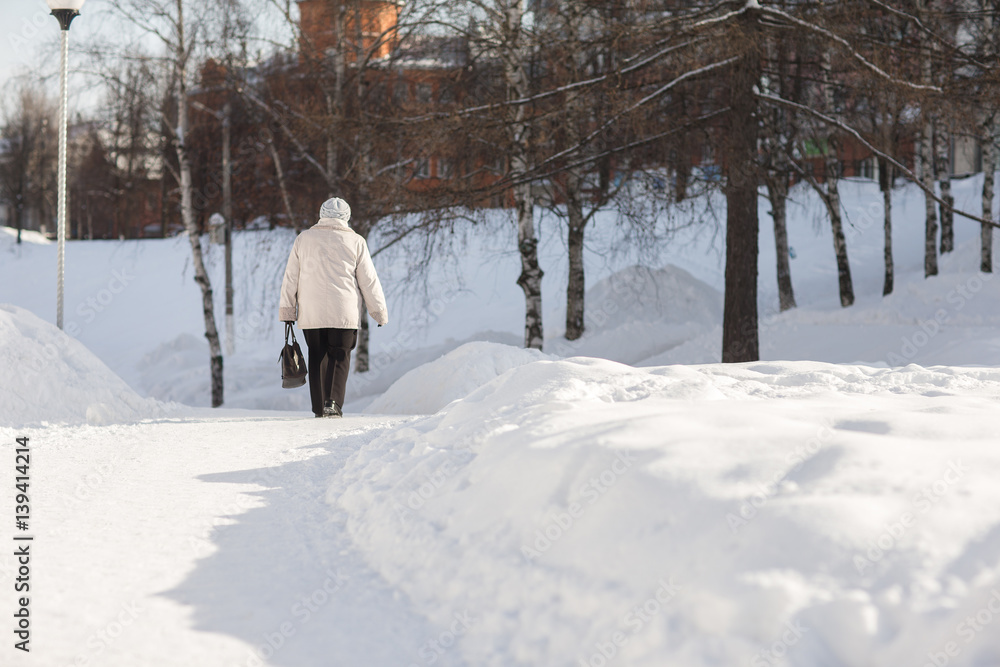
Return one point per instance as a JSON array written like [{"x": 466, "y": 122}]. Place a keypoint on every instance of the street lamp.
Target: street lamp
[{"x": 64, "y": 11}]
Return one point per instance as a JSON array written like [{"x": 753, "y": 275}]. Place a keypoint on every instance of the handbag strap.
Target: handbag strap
[{"x": 290, "y": 331}]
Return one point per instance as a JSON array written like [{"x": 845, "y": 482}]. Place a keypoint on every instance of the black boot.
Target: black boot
[{"x": 331, "y": 409}]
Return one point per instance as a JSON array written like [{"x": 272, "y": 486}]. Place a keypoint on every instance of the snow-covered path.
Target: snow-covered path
[{"x": 240, "y": 559}]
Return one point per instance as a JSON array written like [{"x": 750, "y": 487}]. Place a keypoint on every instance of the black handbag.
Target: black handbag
[{"x": 293, "y": 364}]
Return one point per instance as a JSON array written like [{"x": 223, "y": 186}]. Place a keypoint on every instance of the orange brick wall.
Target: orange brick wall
[{"x": 378, "y": 25}]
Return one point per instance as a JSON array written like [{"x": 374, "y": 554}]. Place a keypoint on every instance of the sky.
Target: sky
[
  {"x": 29, "y": 42},
  {"x": 29, "y": 39},
  {"x": 25, "y": 23}
]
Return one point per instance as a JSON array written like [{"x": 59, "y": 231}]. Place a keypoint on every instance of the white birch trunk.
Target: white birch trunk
[
  {"x": 989, "y": 174},
  {"x": 890, "y": 269},
  {"x": 187, "y": 212},
  {"x": 516, "y": 55},
  {"x": 832, "y": 198},
  {"x": 927, "y": 162},
  {"x": 930, "y": 208},
  {"x": 942, "y": 146}
]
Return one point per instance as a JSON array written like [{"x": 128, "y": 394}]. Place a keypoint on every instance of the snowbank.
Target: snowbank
[
  {"x": 51, "y": 377},
  {"x": 639, "y": 312},
  {"x": 430, "y": 387},
  {"x": 641, "y": 294},
  {"x": 794, "y": 513}
]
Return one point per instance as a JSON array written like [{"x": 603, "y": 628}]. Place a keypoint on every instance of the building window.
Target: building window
[
  {"x": 867, "y": 169},
  {"x": 424, "y": 93},
  {"x": 422, "y": 168},
  {"x": 445, "y": 167},
  {"x": 401, "y": 92},
  {"x": 446, "y": 93}
]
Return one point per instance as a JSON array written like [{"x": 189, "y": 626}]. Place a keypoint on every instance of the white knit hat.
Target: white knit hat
[{"x": 335, "y": 208}]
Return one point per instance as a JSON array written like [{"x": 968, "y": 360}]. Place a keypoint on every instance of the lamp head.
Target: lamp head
[
  {"x": 76, "y": 5},
  {"x": 65, "y": 10}
]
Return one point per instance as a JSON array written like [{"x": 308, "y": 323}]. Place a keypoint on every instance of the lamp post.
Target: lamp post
[{"x": 64, "y": 11}]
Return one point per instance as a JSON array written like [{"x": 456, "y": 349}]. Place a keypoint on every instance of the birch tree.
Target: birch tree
[
  {"x": 779, "y": 137},
  {"x": 179, "y": 36},
  {"x": 988, "y": 141},
  {"x": 986, "y": 31},
  {"x": 576, "y": 45},
  {"x": 27, "y": 172},
  {"x": 514, "y": 46},
  {"x": 830, "y": 193}
]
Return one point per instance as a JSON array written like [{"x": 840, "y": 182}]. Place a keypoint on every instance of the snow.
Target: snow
[
  {"x": 668, "y": 312},
  {"x": 653, "y": 309},
  {"x": 428, "y": 388},
  {"x": 50, "y": 377},
  {"x": 554, "y": 500},
  {"x": 620, "y": 499}
]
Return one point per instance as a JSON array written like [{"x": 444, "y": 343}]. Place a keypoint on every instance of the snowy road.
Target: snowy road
[{"x": 202, "y": 542}]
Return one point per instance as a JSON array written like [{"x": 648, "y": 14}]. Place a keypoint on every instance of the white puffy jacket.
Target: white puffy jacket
[{"x": 328, "y": 270}]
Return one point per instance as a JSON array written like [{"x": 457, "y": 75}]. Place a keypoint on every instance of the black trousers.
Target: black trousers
[{"x": 329, "y": 364}]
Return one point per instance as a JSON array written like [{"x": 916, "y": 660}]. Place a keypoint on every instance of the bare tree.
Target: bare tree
[
  {"x": 779, "y": 138},
  {"x": 28, "y": 172},
  {"x": 180, "y": 38},
  {"x": 578, "y": 45},
  {"x": 985, "y": 29},
  {"x": 830, "y": 194},
  {"x": 332, "y": 110}
]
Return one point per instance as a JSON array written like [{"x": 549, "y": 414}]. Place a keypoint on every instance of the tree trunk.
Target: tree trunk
[
  {"x": 530, "y": 279},
  {"x": 740, "y": 337},
  {"x": 283, "y": 186},
  {"x": 777, "y": 193},
  {"x": 832, "y": 197},
  {"x": 575, "y": 284},
  {"x": 930, "y": 209},
  {"x": 885, "y": 181},
  {"x": 515, "y": 55},
  {"x": 943, "y": 167},
  {"x": 227, "y": 211},
  {"x": 361, "y": 361},
  {"x": 927, "y": 157},
  {"x": 163, "y": 196},
  {"x": 989, "y": 174},
  {"x": 361, "y": 358},
  {"x": 187, "y": 212}
]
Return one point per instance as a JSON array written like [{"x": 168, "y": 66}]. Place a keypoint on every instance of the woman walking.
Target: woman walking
[{"x": 328, "y": 271}]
